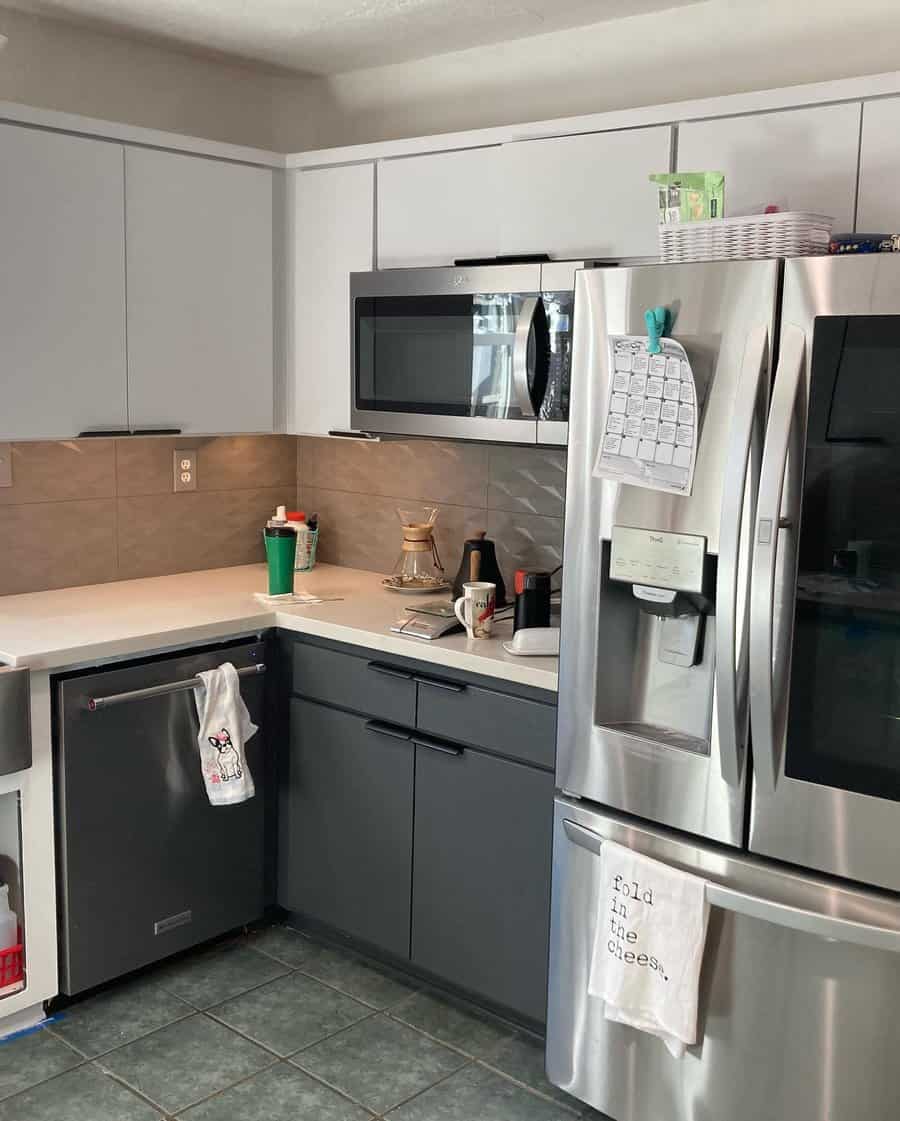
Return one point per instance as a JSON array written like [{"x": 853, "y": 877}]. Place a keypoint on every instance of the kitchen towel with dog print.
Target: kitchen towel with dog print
[
  {"x": 648, "y": 946},
  {"x": 225, "y": 726}
]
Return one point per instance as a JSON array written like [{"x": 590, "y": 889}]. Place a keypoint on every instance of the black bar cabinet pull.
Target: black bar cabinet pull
[
  {"x": 386, "y": 730},
  {"x": 439, "y": 683},
  {"x": 436, "y": 745},
  {"x": 389, "y": 671}
]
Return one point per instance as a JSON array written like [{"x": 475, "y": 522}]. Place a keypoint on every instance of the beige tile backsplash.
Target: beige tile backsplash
[
  {"x": 91, "y": 511},
  {"x": 517, "y": 495}
]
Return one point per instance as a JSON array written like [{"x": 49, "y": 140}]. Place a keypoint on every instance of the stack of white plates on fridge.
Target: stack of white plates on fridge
[{"x": 789, "y": 234}]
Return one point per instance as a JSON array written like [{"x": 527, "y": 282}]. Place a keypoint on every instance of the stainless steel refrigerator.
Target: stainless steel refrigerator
[{"x": 730, "y": 685}]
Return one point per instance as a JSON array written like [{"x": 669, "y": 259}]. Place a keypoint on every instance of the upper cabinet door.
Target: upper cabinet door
[
  {"x": 879, "y": 165},
  {"x": 435, "y": 209},
  {"x": 200, "y": 305},
  {"x": 804, "y": 159},
  {"x": 62, "y": 285},
  {"x": 333, "y": 219},
  {"x": 583, "y": 196}
]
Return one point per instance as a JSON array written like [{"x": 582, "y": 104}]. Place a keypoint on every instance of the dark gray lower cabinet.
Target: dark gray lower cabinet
[
  {"x": 347, "y": 818},
  {"x": 423, "y": 826},
  {"x": 481, "y": 875}
]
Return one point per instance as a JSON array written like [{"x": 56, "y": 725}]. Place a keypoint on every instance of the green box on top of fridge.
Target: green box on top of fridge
[{"x": 690, "y": 196}]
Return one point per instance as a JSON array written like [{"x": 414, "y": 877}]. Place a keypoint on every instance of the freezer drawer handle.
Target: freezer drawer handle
[
  {"x": 96, "y": 703},
  {"x": 780, "y": 914}
]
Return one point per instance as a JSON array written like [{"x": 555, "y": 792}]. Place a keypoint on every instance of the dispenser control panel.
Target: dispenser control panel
[{"x": 657, "y": 559}]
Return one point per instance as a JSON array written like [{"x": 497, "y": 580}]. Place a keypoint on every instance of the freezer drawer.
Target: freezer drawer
[
  {"x": 147, "y": 866},
  {"x": 799, "y": 988}
]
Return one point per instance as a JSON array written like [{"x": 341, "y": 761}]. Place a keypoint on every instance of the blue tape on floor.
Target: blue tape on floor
[{"x": 34, "y": 1027}]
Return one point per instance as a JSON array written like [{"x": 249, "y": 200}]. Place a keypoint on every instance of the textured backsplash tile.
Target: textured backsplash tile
[
  {"x": 436, "y": 470},
  {"x": 57, "y": 545},
  {"x": 525, "y": 541},
  {"x": 144, "y": 466},
  {"x": 363, "y": 530},
  {"x": 89, "y": 511},
  {"x": 60, "y": 471},
  {"x": 515, "y": 494},
  {"x": 527, "y": 480},
  {"x": 166, "y": 533}
]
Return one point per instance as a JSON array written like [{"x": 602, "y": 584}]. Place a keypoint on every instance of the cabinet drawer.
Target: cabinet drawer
[
  {"x": 470, "y": 714},
  {"x": 363, "y": 684},
  {"x": 346, "y": 840}
]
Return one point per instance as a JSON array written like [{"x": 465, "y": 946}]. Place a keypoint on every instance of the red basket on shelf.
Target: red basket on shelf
[{"x": 11, "y": 965}]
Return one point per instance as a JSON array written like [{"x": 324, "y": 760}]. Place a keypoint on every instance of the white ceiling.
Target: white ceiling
[{"x": 332, "y": 36}]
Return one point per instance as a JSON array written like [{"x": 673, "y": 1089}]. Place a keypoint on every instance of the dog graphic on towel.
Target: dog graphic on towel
[{"x": 228, "y": 760}]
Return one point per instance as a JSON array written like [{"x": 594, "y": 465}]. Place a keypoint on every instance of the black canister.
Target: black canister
[
  {"x": 479, "y": 562},
  {"x": 532, "y": 600}
]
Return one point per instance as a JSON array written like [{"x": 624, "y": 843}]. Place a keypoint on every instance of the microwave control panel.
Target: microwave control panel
[{"x": 657, "y": 559}]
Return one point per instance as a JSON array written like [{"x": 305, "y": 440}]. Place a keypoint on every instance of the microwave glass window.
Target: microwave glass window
[
  {"x": 844, "y": 717},
  {"x": 559, "y": 307},
  {"x": 445, "y": 355}
]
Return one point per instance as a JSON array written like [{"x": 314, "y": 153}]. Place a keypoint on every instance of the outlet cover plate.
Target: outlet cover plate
[
  {"x": 185, "y": 469},
  {"x": 6, "y": 479}
]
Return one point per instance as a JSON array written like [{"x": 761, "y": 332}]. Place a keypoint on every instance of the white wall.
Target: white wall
[
  {"x": 723, "y": 46},
  {"x": 50, "y": 64}
]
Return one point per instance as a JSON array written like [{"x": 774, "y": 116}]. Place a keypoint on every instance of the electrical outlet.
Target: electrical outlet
[
  {"x": 185, "y": 465},
  {"x": 6, "y": 465}
]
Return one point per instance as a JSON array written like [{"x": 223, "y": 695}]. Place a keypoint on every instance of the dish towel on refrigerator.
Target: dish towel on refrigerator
[
  {"x": 225, "y": 726},
  {"x": 648, "y": 946}
]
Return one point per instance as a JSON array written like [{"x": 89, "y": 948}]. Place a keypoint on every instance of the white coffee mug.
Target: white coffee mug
[{"x": 475, "y": 608}]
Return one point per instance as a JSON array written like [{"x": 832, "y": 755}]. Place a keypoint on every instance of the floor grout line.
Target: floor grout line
[{"x": 525, "y": 1086}]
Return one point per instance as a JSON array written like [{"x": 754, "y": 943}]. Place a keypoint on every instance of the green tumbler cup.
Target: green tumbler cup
[{"x": 281, "y": 546}]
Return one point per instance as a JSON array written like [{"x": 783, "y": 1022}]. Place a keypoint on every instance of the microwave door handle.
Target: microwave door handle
[
  {"x": 775, "y": 539},
  {"x": 794, "y": 917},
  {"x": 520, "y": 372},
  {"x": 732, "y": 583}
]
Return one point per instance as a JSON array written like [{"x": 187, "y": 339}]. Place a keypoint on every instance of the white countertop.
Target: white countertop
[{"x": 76, "y": 626}]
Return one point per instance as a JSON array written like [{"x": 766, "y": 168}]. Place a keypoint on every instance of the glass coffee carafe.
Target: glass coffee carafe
[{"x": 418, "y": 568}]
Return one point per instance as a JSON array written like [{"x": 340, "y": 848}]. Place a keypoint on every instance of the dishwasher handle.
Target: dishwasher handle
[{"x": 94, "y": 704}]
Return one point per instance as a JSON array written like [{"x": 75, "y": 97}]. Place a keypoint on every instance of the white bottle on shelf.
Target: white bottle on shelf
[
  {"x": 9, "y": 924},
  {"x": 296, "y": 519}
]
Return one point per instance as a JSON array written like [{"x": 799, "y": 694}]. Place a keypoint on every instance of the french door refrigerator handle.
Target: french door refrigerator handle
[
  {"x": 731, "y": 662},
  {"x": 520, "y": 356},
  {"x": 772, "y": 911},
  {"x": 770, "y": 659}
]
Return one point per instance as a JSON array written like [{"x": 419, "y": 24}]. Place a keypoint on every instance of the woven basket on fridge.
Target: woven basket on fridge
[{"x": 790, "y": 234}]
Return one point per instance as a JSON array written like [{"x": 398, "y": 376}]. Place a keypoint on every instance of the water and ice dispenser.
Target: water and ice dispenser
[{"x": 655, "y": 651}]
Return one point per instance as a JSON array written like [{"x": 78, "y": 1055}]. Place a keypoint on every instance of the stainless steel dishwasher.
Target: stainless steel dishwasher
[{"x": 147, "y": 867}]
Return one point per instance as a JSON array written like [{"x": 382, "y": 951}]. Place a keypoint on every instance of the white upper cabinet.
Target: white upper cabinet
[
  {"x": 802, "y": 159},
  {"x": 436, "y": 208},
  {"x": 200, "y": 302},
  {"x": 879, "y": 167},
  {"x": 62, "y": 285},
  {"x": 583, "y": 196},
  {"x": 333, "y": 218}
]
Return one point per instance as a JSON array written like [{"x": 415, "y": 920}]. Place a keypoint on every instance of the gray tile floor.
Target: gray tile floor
[{"x": 274, "y": 1026}]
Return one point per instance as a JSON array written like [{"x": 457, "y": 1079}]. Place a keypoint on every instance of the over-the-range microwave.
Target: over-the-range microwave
[{"x": 471, "y": 353}]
